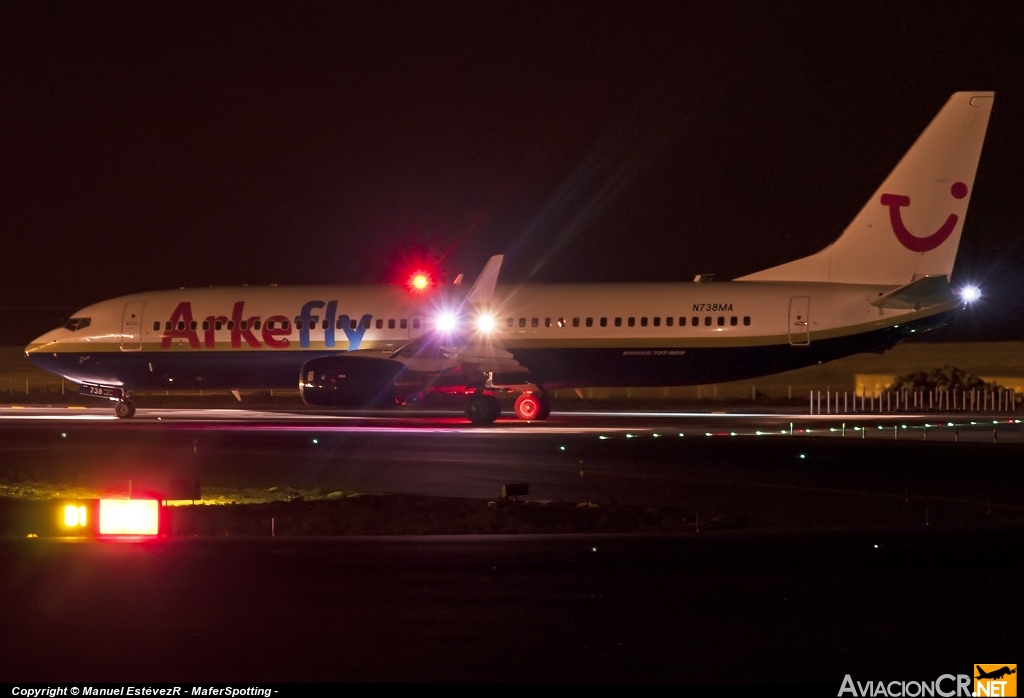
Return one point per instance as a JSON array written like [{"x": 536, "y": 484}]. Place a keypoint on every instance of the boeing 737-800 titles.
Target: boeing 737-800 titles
[{"x": 886, "y": 276}]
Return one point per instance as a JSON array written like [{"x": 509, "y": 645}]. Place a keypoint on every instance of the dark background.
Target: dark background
[{"x": 156, "y": 145}]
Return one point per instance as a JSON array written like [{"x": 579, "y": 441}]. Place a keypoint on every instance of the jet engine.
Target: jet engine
[{"x": 349, "y": 381}]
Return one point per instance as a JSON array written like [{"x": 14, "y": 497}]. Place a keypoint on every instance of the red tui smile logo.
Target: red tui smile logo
[{"x": 913, "y": 243}]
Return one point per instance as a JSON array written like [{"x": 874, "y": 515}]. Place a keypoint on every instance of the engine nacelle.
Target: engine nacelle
[{"x": 349, "y": 381}]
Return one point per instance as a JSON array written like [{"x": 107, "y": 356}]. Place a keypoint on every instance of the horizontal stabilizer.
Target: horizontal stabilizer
[{"x": 923, "y": 293}]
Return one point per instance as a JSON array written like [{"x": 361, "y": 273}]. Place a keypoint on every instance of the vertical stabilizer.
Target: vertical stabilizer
[{"x": 910, "y": 228}]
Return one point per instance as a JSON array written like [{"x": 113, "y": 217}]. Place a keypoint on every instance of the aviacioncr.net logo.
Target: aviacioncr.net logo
[
  {"x": 995, "y": 680},
  {"x": 945, "y": 686}
]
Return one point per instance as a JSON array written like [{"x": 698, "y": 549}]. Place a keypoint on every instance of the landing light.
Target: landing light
[
  {"x": 486, "y": 323},
  {"x": 969, "y": 294},
  {"x": 446, "y": 322}
]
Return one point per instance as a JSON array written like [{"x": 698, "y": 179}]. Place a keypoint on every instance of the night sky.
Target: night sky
[{"x": 157, "y": 145}]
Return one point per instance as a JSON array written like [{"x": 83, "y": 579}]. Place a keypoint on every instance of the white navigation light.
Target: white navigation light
[
  {"x": 446, "y": 322},
  {"x": 486, "y": 323},
  {"x": 970, "y": 293}
]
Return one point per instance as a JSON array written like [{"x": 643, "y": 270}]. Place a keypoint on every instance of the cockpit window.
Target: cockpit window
[{"x": 77, "y": 323}]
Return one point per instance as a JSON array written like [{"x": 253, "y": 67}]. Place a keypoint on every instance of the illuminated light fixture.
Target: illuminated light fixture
[
  {"x": 445, "y": 322},
  {"x": 419, "y": 281},
  {"x": 969, "y": 294},
  {"x": 75, "y": 516},
  {"x": 486, "y": 323},
  {"x": 129, "y": 517}
]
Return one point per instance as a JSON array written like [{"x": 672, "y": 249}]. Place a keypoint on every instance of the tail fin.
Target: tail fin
[{"x": 911, "y": 227}]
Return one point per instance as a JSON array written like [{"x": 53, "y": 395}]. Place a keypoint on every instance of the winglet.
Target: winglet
[{"x": 483, "y": 289}]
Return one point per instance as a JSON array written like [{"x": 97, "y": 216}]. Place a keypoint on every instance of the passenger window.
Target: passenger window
[
  {"x": 156, "y": 326},
  {"x": 547, "y": 322},
  {"x": 256, "y": 325},
  {"x": 325, "y": 324},
  {"x": 575, "y": 322},
  {"x": 168, "y": 326},
  {"x": 721, "y": 321},
  {"x": 707, "y": 321},
  {"x": 244, "y": 324},
  {"x": 403, "y": 323},
  {"x": 380, "y": 324},
  {"x": 391, "y": 324},
  {"x": 535, "y": 322},
  {"x": 219, "y": 325},
  {"x": 590, "y": 322},
  {"x": 522, "y": 322},
  {"x": 631, "y": 322},
  {"x": 733, "y": 321},
  {"x": 657, "y": 322},
  {"x": 231, "y": 324},
  {"x": 618, "y": 322},
  {"x": 193, "y": 325},
  {"x": 181, "y": 325},
  {"x": 604, "y": 322},
  {"x": 643, "y": 322},
  {"x": 366, "y": 322},
  {"x": 668, "y": 322},
  {"x": 746, "y": 320},
  {"x": 416, "y": 323},
  {"x": 298, "y": 325},
  {"x": 561, "y": 322},
  {"x": 284, "y": 324}
]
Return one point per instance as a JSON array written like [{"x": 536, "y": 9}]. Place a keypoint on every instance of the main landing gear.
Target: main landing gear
[
  {"x": 483, "y": 408},
  {"x": 125, "y": 408},
  {"x": 533, "y": 406}
]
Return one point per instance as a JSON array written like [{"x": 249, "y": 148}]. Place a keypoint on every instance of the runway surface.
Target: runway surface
[
  {"x": 860, "y": 551},
  {"x": 773, "y": 471},
  {"x": 913, "y": 426}
]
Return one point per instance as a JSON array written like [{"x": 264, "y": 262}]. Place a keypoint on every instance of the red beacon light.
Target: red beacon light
[{"x": 420, "y": 281}]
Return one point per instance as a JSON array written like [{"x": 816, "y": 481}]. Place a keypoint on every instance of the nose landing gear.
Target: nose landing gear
[{"x": 125, "y": 408}]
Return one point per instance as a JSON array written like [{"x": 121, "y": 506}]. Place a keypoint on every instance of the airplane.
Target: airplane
[
  {"x": 995, "y": 673},
  {"x": 886, "y": 277}
]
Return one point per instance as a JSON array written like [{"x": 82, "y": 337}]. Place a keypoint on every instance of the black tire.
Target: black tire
[
  {"x": 545, "y": 407},
  {"x": 124, "y": 410},
  {"x": 483, "y": 409}
]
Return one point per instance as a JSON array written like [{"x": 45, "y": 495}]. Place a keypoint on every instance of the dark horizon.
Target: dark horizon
[{"x": 159, "y": 146}]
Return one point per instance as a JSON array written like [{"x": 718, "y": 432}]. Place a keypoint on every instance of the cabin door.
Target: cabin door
[
  {"x": 131, "y": 327},
  {"x": 800, "y": 320}
]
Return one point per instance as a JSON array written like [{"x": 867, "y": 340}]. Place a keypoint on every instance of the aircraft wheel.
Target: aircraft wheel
[
  {"x": 545, "y": 407},
  {"x": 125, "y": 409},
  {"x": 529, "y": 406},
  {"x": 483, "y": 409}
]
